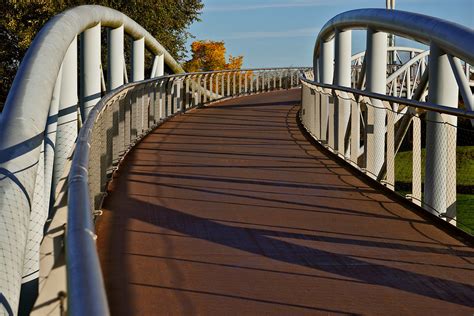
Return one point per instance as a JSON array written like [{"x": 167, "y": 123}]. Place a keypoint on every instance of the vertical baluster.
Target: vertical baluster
[
  {"x": 376, "y": 73},
  {"x": 440, "y": 189}
]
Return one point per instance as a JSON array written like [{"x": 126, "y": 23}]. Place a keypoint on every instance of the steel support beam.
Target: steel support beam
[
  {"x": 342, "y": 77},
  {"x": 138, "y": 60},
  {"x": 376, "y": 56},
  {"x": 115, "y": 58},
  {"x": 326, "y": 73},
  {"x": 90, "y": 70},
  {"x": 440, "y": 181}
]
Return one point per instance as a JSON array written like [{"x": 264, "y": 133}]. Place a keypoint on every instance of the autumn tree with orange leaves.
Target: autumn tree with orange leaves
[{"x": 210, "y": 55}]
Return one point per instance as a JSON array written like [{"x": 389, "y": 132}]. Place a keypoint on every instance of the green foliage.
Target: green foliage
[
  {"x": 166, "y": 20},
  {"x": 464, "y": 165}
]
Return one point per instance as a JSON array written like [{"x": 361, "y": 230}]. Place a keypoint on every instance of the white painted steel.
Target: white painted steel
[
  {"x": 442, "y": 90},
  {"x": 326, "y": 73},
  {"x": 138, "y": 60},
  {"x": 342, "y": 77},
  {"x": 90, "y": 69},
  {"x": 376, "y": 82},
  {"x": 115, "y": 58}
]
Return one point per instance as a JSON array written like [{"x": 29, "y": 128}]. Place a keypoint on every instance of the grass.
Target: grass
[
  {"x": 465, "y": 212},
  {"x": 464, "y": 181},
  {"x": 464, "y": 166}
]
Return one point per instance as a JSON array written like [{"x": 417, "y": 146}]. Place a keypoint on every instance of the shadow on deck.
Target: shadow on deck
[{"x": 230, "y": 210}]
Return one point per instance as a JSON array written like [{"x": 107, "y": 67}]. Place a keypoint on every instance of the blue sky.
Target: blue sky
[{"x": 282, "y": 33}]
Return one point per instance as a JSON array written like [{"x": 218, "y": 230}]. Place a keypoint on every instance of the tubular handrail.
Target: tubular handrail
[
  {"x": 413, "y": 103},
  {"x": 452, "y": 37}
]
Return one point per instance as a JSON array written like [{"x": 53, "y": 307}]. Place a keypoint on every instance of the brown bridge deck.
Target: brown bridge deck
[{"x": 230, "y": 210}]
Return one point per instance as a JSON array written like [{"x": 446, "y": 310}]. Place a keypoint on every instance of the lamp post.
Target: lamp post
[{"x": 390, "y": 5}]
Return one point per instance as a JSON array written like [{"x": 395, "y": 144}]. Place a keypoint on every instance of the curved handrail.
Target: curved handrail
[{"x": 452, "y": 37}]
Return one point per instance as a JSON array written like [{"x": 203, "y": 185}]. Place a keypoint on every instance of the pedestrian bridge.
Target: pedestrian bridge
[{"x": 257, "y": 191}]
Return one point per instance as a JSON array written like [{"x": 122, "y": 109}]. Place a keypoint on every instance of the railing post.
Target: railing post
[
  {"x": 187, "y": 100},
  {"x": 127, "y": 108},
  {"x": 198, "y": 90},
  {"x": 342, "y": 77},
  {"x": 326, "y": 71},
  {"x": 251, "y": 82},
  {"x": 160, "y": 69},
  {"x": 211, "y": 94},
  {"x": 355, "y": 131},
  {"x": 440, "y": 175},
  {"x": 115, "y": 58},
  {"x": 239, "y": 80},
  {"x": 138, "y": 59},
  {"x": 317, "y": 113},
  {"x": 311, "y": 108},
  {"x": 179, "y": 95},
  {"x": 162, "y": 104},
  {"x": 234, "y": 83},
  {"x": 138, "y": 71},
  {"x": 245, "y": 83},
  {"x": 222, "y": 85},
  {"x": 90, "y": 70},
  {"x": 174, "y": 95},
  {"x": 193, "y": 91},
  {"x": 204, "y": 87},
  {"x": 158, "y": 66},
  {"x": 376, "y": 73},
  {"x": 416, "y": 161},
  {"x": 67, "y": 114},
  {"x": 257, "y": 84}
]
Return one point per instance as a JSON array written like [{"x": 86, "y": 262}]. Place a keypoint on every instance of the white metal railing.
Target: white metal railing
[{"x": 368, "y": 127}]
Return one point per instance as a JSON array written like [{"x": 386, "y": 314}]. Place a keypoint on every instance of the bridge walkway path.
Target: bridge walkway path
[{"x": 228, "y": 209}]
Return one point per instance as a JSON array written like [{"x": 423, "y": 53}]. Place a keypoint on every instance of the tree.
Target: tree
[
  {"x": 166, "y": 20},
  {"x": 235, "y": 62},
  {"x": 210, "y": 55}
]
